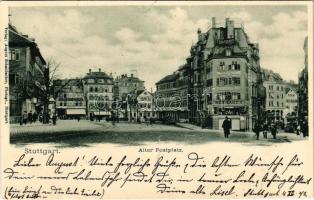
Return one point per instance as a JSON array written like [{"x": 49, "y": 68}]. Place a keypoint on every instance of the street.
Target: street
[{"x": 71, "y": 133}]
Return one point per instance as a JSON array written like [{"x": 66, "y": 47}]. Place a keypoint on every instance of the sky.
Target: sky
[{"x": 153, "y": 41}]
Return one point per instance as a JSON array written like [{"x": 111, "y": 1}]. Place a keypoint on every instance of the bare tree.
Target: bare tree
[{"x": 48, "y": 89}]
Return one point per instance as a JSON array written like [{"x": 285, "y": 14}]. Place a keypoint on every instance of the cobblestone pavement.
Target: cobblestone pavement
[{"x": 86, "y": 133}]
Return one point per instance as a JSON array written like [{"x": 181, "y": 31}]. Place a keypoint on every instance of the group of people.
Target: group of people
[
  {"x": 258, "y": 128},
  {"x": 265, "y": 127},
  {"x": 32, "y": 117},
  {"x": 28, "y": 118}
]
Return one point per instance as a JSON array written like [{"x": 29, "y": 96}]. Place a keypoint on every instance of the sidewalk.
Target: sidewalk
[{"x": 280, "y": 135}]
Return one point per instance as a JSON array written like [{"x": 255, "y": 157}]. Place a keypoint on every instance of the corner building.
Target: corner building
[
  {"x": 224, "y": 78},
  {"x": 232, "y": 77}
]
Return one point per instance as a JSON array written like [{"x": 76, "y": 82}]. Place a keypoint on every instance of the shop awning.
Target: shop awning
[{"x": 72, "y": 111}]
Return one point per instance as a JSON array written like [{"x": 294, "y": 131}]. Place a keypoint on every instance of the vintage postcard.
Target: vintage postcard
[{"x": 156, "y": 100}]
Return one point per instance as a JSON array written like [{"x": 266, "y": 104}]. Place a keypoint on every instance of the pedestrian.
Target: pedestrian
[
  {"x": 25, "y": 117},
  {"x": 21, "y": 120},
  {"x": 226, "y": 125},
  {"x": 54, "y": 119},
  {"x": 265, "y": 129},
  {"x": 298, "y": 129},
  {"x": 257, "y": 129},
  {"x": 113, "y": 119},
  {"x": 304, "y": 127},
  {"x": 35, "y": 116},
  {"x": 273, "y": 129},
  {"x": 151, "y": 121},
  {"x": 146, "y": 120},
  {"x": 30, "y": 117}
]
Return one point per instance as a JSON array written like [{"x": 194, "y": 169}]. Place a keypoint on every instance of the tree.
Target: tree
[{"x": 47, "y": 88}]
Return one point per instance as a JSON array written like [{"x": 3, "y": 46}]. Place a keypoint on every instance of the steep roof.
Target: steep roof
[
  {"x": 168, "y": 78},
  {"x": 268, "y": 74},
  {"x": 18, "y": 39}
]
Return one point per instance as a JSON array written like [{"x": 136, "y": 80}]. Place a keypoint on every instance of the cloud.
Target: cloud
[
  {"x": 281, "y": 41},
  {"x": 159, "y": 46}
]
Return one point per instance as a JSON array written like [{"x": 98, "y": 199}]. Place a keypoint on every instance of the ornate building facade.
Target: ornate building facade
[{"x": 223, "y": 78}]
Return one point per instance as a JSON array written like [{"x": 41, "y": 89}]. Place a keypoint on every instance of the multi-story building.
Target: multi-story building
[
  {"x": 232, "y": 77},
  {"x": 98, "y": 92},
  {"x": 275, "y": 95},
  {"x": 123, "y": 86},
  {"x": 70, "y": 102},
  {"x": 143, "y": 107},
  {"x": 127, "y": 84},
  {"x": 171, "y": 96},
  {"x": 303, "y": 87},
  {"x": 223, "y": 78},
  {"x": 291, "y": 104},
  {"x": 27, "y": 74}
]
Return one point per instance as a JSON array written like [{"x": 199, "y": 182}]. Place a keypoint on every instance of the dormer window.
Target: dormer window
[
  {"x": 228, "y": 52},
  {"x": 101, "y": 80}
]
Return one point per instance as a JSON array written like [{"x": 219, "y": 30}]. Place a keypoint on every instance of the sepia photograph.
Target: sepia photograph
[
  {"x": 134, "y": 74},
  {"x": 156, "y": 100}
]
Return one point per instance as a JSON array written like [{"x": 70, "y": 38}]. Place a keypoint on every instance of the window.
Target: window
[
  {"x": 228, "y": 52},
  {"x": 271, "y": 103},
  {"x": 236, "y": 96},
  {"x": 106, "y": 89},
  {"x": 91, "y": 89},
  {"x": 236, "y": 80},
  {"x": 101, "y": 80},
  {"x": 209, "y": 82},
  {"x": 14, "y": 79},
  {"x": 271, "y": 87},
  {"x": 277, "y": 104},
  {"x": 277, "y": 87},
  {"x": 96, "y": 89},
  {"x": 222, "y": 66},
  {"x": 14, "y": 54}
]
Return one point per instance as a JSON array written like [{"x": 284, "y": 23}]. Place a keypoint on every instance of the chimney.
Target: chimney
[
  {"x": 230, "y": 28},
  {"x": 214, "y": 22},
  {"x": 99, "y": 69},
  {"x": 90, "y": 70},
  {"x": 199, "y": 33},
  {"x": 132, "y": 75}
]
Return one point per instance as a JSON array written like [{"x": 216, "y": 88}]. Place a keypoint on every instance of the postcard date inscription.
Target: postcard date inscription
[{"x": 204, "y": 176}]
